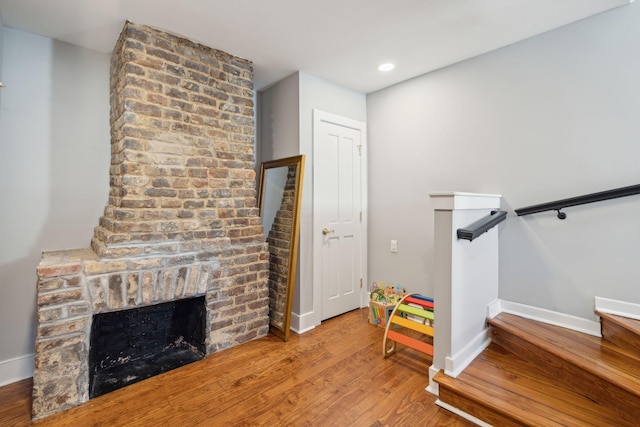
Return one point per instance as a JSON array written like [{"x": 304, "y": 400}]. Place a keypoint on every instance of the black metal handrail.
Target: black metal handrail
[
  {"x": 482, "y": 225},
  {"x": 580, "y": 200}
]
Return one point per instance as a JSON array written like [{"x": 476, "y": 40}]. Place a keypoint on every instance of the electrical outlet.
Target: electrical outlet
[{"x": 394, "y": 246}]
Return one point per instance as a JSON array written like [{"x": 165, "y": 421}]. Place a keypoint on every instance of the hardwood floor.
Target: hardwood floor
[{"x": 334, "y": 375}]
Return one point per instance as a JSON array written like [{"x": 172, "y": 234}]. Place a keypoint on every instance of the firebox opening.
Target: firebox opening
[{"x": 131, "y": 345}]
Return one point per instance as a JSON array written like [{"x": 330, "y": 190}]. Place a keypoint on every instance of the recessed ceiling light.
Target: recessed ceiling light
[{"x": 386, "y": 67}]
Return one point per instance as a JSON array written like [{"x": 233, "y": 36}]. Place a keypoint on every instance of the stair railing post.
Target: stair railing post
[{"x": 466, "y": 280}]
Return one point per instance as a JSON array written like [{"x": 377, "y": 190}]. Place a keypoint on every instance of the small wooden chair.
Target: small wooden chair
[{"x": 422, "y": 308}]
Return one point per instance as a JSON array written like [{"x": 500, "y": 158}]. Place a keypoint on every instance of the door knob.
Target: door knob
[{"x": 326, "y": 231}]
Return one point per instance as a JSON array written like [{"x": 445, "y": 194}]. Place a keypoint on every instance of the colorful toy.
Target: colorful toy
[
  {"x": 383, "y": 298},
  {"x": 413, "y": 312},
  {"x": 383, "y": 292}
]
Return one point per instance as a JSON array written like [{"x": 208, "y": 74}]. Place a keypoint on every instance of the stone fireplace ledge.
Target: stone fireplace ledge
[{"x": 73, "y": 285}]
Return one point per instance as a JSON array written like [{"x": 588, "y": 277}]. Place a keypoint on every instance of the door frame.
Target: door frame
[{"x": 319, "y": 117}]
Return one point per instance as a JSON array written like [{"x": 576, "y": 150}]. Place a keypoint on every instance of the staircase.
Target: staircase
[{"x": 535, "y": 374}]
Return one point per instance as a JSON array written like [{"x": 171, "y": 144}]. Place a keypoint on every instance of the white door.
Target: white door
[{"x": 338, "y": 212}]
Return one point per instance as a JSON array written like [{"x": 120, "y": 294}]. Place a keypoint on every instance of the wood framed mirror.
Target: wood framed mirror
[{"x": 279, "y": 198}]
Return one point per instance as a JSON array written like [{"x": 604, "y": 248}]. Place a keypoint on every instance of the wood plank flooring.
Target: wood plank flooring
[{"x": 334, "y": 375}]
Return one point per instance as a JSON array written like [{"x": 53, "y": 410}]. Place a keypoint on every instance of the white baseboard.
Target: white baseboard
[
  {"x": 455, "y": 364},
  {"x": 16, "y": 369},
  {"x": 462, "y": 414},
  {"x": 619, "y": 308},
  {"x": 301, "y": 323},
  {"x": 494, "y": 308},
  {"x": 547, "y": 316},
  {"x": 433, "y": 386}
]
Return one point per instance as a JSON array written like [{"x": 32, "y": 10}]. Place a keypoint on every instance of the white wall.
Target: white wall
[
  {"x": 54, "y": 172},
  {"x": 286, "y": 117},
  {"x": 318, "y": 94},
  {"x": 279, "y": 133},
  {"x": 279, "y": 128},
  {"x": 551, "y": 117},
  {"x": 1, "y": 50}
]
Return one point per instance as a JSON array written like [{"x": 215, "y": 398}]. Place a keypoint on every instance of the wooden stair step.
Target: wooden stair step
[
  {"x": 621, "y": 331},
  {"x": 505, "y": 390},
  {"x": 590, "y": 365}
]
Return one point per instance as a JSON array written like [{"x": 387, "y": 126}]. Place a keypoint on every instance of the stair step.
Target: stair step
[
  {"x": 590, "y": 366},
  {"x": 504, "y": 390},
  {"x": 621, "y": 331}
]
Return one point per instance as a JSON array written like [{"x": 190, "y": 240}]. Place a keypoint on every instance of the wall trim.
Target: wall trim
[
  {"x": 16, "y": 369},
  {"x": 456, "y": 363},
  {"x": 301, "y": 323},
  {"x": 433, "y": 387},
  {"x": 556, "y": 318},
  {"x": 494, "y": 308},
  {"x": 619, "y": 308}
]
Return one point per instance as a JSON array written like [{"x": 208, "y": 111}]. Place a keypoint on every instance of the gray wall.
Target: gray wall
[
  {"x": 286, "y": 129},
  {"x": 551, "y": 117},
  {"x": 279, "y": 132},
  {"x": 54, "y": 171},
  {"x": 279, "y": 127},
  {"x": 318, "y": 94},
  {"x": 1, "y": 50}
]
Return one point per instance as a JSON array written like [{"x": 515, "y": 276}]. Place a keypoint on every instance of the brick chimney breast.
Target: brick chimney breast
[
  {"x": 182, "y": 126},
  {"x": 181, "y": 219}
]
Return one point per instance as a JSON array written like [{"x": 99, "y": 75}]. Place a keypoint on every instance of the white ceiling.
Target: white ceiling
[{"x": 342, "y": 41}]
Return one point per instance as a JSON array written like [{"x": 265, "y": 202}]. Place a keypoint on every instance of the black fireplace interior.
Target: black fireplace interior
[{"x": 131, "y": 345}]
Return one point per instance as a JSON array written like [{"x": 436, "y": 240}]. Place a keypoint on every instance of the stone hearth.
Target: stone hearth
[{"x": 181, "y": 219}]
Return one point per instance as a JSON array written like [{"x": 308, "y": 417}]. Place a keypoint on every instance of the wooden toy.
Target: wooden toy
[{"x": 413, "y": 312}]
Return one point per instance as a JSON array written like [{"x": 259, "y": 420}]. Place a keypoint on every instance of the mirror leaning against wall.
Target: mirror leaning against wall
[{"x": 279, "y": 199}]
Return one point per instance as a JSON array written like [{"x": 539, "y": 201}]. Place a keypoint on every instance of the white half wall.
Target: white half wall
[
  {"x": 466, "y": 276},
  {"x": 551, "y": 117},
  {"x": 54, "y": 172}
]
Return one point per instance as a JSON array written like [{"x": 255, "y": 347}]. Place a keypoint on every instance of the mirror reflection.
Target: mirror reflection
[{"x": 279, "y": 202}]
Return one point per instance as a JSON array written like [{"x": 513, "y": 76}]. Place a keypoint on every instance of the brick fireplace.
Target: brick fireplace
[{"x": 181, "y": 220}]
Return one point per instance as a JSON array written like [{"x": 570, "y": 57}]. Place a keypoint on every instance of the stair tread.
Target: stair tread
[
  {"x": 592, "y": 354},
  {"x": 621, "y": 331},
  {"x": 512, "y": 386},
  {"x": 633, "y": 325}
]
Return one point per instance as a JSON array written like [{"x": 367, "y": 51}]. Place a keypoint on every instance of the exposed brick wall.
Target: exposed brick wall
[
  {"x": 182, "y": 170},
  {"x": 181, "y": 219}
]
